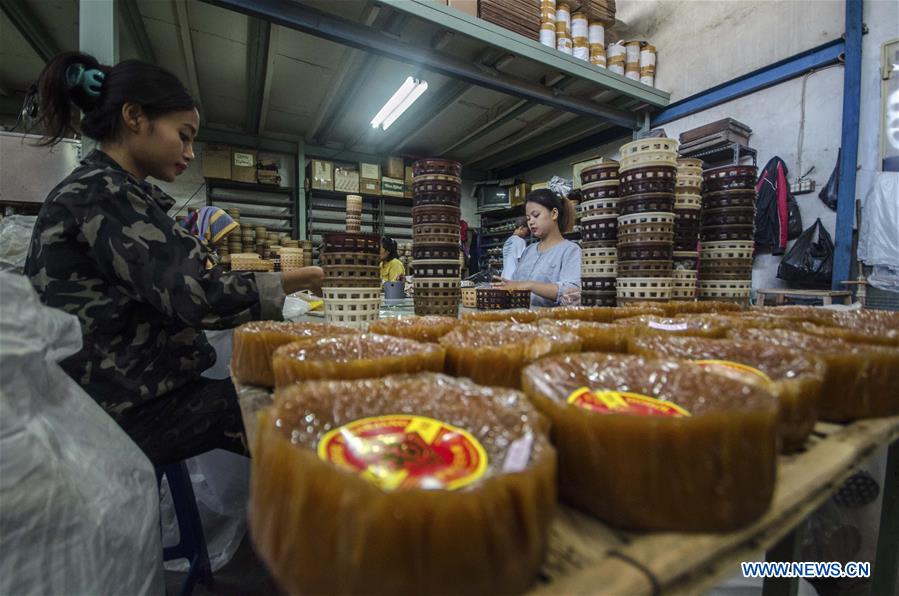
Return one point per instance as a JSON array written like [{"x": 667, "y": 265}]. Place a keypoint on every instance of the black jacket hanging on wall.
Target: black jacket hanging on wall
[{"x": 776, "y": 212}]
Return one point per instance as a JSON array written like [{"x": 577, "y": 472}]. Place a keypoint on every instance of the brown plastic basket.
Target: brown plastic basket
[
  {"x": 645, "y": 252},
  {"x": 598, "y": 298},
  {"x": 492, "y": 299},
  {"x": 598, "y": 284},
  {"x": 728, "y": 199},
  {"x": 728, "y": 216},
  {"x": 436, "y": 268},
  {"x": 435, "y": 214},
  {"x": 435, "y": 234},
  {"x": 644, "y": 269},
  {"x": 436, "y": 186},
  {"x": 729, "y": 177},
  {"x": 443, "y": 252},
  {"x": 606, "y": 192},
  {"x": 348, "y": 259},
  {"x": 435, "y": 165},
  {"x": 604, "y": 229},
  {"x": 722, "y": 233},
  {"x": 652, "y": 202},
  {"x": 602, "y": 171},
  {"x": 436, "y": 198},
  {"x": 343, "y": 242}
]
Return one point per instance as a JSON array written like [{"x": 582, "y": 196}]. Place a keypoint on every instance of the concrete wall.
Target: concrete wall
[{"x": 727, "y": 39}]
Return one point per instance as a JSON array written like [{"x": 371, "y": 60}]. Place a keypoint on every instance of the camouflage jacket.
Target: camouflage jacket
[{"x": 105, "y": 250}]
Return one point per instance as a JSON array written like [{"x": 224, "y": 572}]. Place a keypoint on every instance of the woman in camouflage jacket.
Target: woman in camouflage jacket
[{"x": 105, "y": 249}]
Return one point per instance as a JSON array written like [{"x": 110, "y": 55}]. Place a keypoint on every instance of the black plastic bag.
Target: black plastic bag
[
  {"x": 809, "y": 262},
  {"x": 830, "y": 191},
  {"x": 794, "y": 219}
]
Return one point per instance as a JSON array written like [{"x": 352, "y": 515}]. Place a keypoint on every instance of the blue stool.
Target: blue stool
[{"x": 191, "y": 541}]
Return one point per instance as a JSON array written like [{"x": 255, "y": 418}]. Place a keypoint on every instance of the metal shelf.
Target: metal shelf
[
  {"x": 273, "y": 221},
  {"x": 378, "y": 206}
]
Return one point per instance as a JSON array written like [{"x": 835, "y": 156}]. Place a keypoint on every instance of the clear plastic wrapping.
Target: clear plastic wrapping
[
  {"x": 256, "y": 342},
  {"x": 595, "y": 337},
  {"x": 519, "y": 315},
  {"x": 428, "y": 328},
  {"x": 353, "y": 357},
  {"x": 495, "y": 353},
  {"x": 325, "y": 527},
  {"x": 795, "y": 379},
  {"x": 711, "y": 470},
  {"x": 689, "y": 326},
  {"x": 860, "y": 381}
]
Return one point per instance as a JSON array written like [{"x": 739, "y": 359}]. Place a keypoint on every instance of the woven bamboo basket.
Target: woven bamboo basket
[
  {"x": 435, "y": 214},
  {"x": 652, "y": 202},
  {"x": 353, "y": 307},
  {"x": 598, "y": 284},
  {"x": 602, "y": 171},
  {"x": 470, "y": 297},
  {"x": 250, "y": 262},
  {"x": 291, "y": 258},
  {"x": 644, "y": 269},
  {"x": 644, "y": 288},
  {"x": 436, "y": 186},
  {"x": 437, "y": 166},
  {"x": 722, "y": 233},
  {"x": 436, "y": 198},
  {"x": 442, "y": 252},
  {"x": 435, "y": 234},
  {"x": 492, "y": 299},
  {"x": 436, "y": 268},
  {"x": 728, "y": 199},
  {"x": 728, "y": 250}
]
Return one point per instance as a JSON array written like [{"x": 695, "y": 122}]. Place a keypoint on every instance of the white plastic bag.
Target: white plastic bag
[
  {"x": 79, "y": 509},
  {"x": 878, "y": 236},
  {"x": 15, "y": 238}
]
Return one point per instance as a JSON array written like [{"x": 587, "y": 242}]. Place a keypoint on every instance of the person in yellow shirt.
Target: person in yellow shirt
[{"x": 391, "y": 267}]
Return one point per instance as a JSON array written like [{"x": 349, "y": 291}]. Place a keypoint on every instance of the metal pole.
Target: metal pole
[{"x": 852, "y": 80}]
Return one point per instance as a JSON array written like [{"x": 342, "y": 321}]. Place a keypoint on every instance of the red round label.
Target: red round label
[
  {"x": 623, "y": 402},
  {"x": 402, "y": 451}
]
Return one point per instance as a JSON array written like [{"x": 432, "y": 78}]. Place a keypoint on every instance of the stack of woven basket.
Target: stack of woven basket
[
  {"x": 648, "y": 175},
  {"x": 599, "y": 232},
  {"x": 436, "y": 193},
  {"x": 687, "y": 207},
  {"x": 728, "y": 220},
  {"x": 352, "y": 284}
]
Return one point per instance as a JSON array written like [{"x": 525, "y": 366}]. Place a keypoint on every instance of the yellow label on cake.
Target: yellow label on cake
[
  {"x": 623, "y": 402},
  {"x": 402, "y": 451},
  {"x": 734, "y": 370}
]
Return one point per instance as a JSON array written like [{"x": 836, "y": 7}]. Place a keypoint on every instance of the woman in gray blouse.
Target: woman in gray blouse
[{"x": 550, "y": 268}]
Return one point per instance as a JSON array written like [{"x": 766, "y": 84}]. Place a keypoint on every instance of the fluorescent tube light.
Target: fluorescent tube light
[{"x": 408, "y": 92}]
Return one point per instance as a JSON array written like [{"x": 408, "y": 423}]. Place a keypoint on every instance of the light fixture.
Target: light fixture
[{"x": 409, "y": 91}]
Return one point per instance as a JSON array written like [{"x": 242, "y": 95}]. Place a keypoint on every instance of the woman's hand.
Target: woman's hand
[
  {"x": 304, "y": 278},
  {"x": 505, "y": 284}
]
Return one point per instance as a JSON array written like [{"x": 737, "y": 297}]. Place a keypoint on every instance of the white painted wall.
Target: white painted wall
[{"x": 774, "y": 114}]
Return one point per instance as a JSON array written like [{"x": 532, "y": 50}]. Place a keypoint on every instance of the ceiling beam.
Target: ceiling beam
[
  {"x": 604, "y": 137},
  {"x": 258, "y": 50},
  {"x": 561, "y": 83},
  {"x": 350, "y": 87},
  {"x": 134, "y": 20},
  {"x": 538, "y": 144},
  {"x": 272, "y": 51},
  {"x": 182, "y": 19},
  {"x": 26, "y": 23},
  {"x": 314, "y": 22}
]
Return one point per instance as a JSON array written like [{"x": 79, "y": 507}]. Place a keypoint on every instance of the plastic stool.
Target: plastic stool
[{"x": 191, "y": 541}]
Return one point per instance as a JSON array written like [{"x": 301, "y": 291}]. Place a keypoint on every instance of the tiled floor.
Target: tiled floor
[{"x": 244, "y": 575}]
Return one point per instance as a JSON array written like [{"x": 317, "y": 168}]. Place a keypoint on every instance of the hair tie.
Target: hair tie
[{"x": 91, "y": 79}]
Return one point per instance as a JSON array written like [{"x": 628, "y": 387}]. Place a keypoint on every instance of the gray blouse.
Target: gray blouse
[{"x": 560, "y": 265}]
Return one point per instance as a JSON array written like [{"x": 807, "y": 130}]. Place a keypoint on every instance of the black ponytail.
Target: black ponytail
[
  {"x": 154, "y": 89},
  {"x": 550, "y": 200},
  {"x": 389, "y": 245}
]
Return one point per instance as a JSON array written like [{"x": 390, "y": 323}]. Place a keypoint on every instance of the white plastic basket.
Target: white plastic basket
[
  {"x": 353, "y": 307},
  {"x": 644, "y": 288}
]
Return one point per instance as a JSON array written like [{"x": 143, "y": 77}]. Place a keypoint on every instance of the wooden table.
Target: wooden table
[
  {"x": 781, "y": 295},
  {"x": 589, "y": 557}
]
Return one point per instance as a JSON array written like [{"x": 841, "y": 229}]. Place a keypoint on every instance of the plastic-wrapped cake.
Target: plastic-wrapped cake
[
  {"x": 353, "y": 357},
  {"x": 410, "y": 484},
  {"x": 657, "y": 444},
  {"x": 690, "y": 326},
  {"x": 595, "y": 337},
  {"x": 255, "y": 343},
  {"x": 515, "y": 315},
  {"x": 794, "y": 378},
  {"x": 428, "y": 328},
  {"x": 494, "y": 353},
  {"x": 860, "y": 381}
]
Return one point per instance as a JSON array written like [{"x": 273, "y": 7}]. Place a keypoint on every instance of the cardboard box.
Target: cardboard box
[
  {"x": 370, "y": 171},
  {"x": 394, "y": 168},
  {"x": 393, "y": 187},
  {"x": 466, "y": 6},
  {"x": 320, "y": 174},
  {"x": 407, "y": 180},
  {"x": 518, "y": 192},
  {"x": 346, "y": 178},
  {"x": 217, "y": 162},
  {"x": 243, "y": 165},
  {"x": 369, "y": 187}
]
